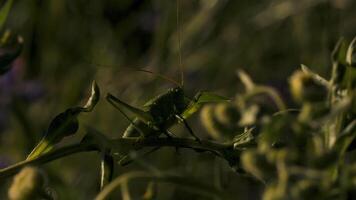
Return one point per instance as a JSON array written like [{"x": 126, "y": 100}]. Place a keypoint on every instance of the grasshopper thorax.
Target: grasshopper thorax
[{"x": 166, "y": 106}]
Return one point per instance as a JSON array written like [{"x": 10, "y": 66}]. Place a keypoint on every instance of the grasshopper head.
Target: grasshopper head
[{"x": 178, "y": 95}]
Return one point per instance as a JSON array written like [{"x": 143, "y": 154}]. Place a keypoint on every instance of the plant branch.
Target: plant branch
[
  {"x": 217, "y": 149},
  {"x": 48, "y": 157}
]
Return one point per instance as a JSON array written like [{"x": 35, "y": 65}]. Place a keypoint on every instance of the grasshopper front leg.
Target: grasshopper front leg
[{"x": 181, "y": 119}]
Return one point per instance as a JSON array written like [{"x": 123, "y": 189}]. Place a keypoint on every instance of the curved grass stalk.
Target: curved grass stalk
[{"x": 187, "y": 184}]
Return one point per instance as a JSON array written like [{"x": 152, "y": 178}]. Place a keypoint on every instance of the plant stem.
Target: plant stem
[
  {"x": 218, "y": 149},
  {"x": 55, "y": 154}
]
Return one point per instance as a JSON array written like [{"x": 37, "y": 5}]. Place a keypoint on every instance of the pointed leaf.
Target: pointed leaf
[
  {"x": 93, "y": 99},
  {"x": 63, "y": 125}
]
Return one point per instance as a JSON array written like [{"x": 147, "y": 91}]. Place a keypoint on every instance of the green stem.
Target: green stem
[
  {"x": 218, "y": 149},
  {"x": 188, "y": 184},
  {"x": 203, "y": 145}
]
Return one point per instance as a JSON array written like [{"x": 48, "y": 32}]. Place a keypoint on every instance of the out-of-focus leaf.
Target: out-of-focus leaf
[
  {"x": 339, "y": 52},
  {"x": 246, "y": 80},
  {"x": 200, "y": 99},
  {"x": 9, "y": 54},
  {"x": 249, "y": 115},
  {"x": 4, "y": 12},
  {"x": 338, "y": 58},
  {"x": 346, "y": 138}
]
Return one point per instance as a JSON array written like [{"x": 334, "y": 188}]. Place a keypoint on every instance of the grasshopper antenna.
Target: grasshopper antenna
[
  {"x": 179, "y": 48},
  {"x": 158, "y": 75},
  {"x": 161, "y": 76}
]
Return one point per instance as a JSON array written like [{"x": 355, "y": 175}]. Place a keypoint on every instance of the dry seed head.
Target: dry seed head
[
  {"x": 274, "y": 192},
  {"x": 27, "y": 184},
  {"x": 227, "y": 113},
  {"x": 305, "y": 89},
  {"x": 218, "y": 122},
  {"x": 207, "y": 118}
]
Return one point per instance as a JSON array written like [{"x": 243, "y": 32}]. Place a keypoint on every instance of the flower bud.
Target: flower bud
[
  {"x": 27, "y": 184},
  {"x": 305, "y": 89}
]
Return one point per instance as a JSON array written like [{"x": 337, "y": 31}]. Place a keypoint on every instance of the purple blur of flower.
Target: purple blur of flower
[{"x": 14, "y": 85}]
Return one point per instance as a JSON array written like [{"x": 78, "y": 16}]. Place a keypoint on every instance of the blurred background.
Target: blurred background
[{"x": 69, "y": 43}]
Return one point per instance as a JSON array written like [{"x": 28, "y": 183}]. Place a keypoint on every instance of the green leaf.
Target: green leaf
[
  {"x": 64, "y": 124},
  {"x": 200, "y": 99},
  {"x": 4, "y": 12},
  {"x": 8, "y": 55}
]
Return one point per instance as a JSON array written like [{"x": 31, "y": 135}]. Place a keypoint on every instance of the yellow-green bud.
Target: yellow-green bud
[
  {"x": 28, "y": 184},
  {"x": 305, "y": 89}
]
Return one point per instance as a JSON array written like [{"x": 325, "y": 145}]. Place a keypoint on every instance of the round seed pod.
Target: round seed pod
[
  {"x": 305, "y": 89},
  {"x": 28, "y": 184}
]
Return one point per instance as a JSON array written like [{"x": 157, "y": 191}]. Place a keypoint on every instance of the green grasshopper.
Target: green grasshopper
[{"x": 162, "y": 112}]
